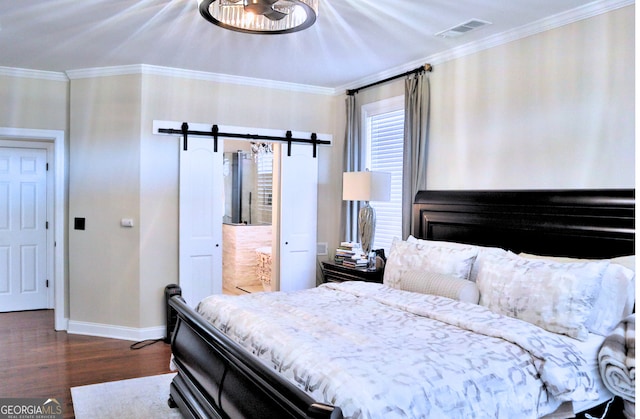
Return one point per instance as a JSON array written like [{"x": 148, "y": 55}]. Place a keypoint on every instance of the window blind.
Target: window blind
[
  {"x": 386, "y": 137},
  {"x": 264, "y": 167}
]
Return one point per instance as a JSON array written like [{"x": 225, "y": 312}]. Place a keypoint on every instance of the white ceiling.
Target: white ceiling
[{"x": 352, "y": 42}]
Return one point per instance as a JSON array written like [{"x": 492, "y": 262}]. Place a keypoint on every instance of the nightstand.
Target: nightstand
[{"x": 339, "y": 273}]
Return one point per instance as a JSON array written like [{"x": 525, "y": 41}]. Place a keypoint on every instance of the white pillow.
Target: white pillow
[
  {"x": 616, "y": 297},
  {"x": 483, "y": 251},
  {"x": 439, "y": 243},
  {"x": 439, "y": 284},
  {"x": 628, "y": 262},
  {"x": 424, "y": 256},
  {"x": 558, "y": 297}
]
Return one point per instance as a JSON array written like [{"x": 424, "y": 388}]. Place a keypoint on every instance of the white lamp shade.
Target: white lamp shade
[{"x": 366, "y": 186}]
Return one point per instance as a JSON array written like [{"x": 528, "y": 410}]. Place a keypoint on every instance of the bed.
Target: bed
[{"x": 234, "y": 374}]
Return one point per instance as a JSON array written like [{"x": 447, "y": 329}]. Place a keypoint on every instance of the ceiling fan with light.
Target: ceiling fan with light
[{"x": 260, "y": 16}]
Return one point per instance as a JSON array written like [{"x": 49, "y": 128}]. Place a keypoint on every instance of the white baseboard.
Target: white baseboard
[{"x": 115, "y": 332}]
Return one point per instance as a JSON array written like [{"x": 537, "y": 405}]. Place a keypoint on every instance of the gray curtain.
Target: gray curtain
[
  {"x": 353, "y": 162},
  {"x": 416, "y": 141}
]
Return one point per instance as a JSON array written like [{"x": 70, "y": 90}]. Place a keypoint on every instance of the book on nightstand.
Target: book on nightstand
[{"x": 350, "y": 254}]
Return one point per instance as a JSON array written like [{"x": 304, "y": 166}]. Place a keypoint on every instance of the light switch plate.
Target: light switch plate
[{"x": 126, "y": 222}]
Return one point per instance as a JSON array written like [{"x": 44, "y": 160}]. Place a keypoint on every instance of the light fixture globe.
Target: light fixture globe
[{"x": 260, "y": 16}]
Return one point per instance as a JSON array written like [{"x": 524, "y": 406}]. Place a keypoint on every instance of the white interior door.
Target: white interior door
[
  {"x": 23, "y": 234},
  {"x": 298, "y": 217},
  {"x": 201, "y": 209}
]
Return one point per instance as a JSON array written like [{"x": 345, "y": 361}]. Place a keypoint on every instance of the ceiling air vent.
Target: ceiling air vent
[{"x": 462, "y": 28}]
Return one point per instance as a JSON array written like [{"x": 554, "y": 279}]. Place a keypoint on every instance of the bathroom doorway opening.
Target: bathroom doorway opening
[{"x": 247, "y": 224}]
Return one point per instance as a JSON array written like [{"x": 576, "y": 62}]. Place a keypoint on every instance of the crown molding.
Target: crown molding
[
  {"x": 33, "y": 74},
  {"x": 146, "y": 69},
  {"x": 574, "y": 15},
  {"x": 88, "y": 73}
]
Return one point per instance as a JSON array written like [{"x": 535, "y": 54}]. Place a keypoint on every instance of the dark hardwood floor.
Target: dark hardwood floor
[{"x": 36, "y": 361}]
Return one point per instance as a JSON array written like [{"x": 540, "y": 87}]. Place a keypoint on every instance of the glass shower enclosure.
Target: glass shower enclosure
[{"x": 248, "y": 187}]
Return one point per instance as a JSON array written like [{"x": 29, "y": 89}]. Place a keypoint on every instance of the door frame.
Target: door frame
[{"x": 14, "y": 137}]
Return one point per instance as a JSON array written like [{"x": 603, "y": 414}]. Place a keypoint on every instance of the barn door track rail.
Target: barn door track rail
[{"x": 215, "y": 133}]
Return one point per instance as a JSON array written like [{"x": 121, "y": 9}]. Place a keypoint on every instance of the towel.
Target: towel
[{"x": 617, "y": 361}]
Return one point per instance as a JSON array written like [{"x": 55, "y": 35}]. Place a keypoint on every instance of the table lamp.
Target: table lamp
[{"x": 366, "y": 186}]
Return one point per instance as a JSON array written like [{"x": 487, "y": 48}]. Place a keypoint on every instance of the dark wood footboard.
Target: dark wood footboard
[{"x": 219, "y": 379}]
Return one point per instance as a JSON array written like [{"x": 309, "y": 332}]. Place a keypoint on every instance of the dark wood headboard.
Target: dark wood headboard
[{"x": 577, "y": 223}]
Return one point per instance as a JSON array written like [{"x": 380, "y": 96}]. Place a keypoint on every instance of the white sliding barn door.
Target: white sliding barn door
[
  {"x": 298, "y": 217},
  {"x": 201, "y": 207}
]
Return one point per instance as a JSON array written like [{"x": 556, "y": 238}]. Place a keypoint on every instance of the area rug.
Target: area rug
[{"x": 144, "y": 397}]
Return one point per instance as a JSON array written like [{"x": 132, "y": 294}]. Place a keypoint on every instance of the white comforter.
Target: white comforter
[{"x": 378, "y": 352}]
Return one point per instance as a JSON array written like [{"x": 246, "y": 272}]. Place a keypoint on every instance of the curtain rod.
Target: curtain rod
[{"x": 426, "y": 67}]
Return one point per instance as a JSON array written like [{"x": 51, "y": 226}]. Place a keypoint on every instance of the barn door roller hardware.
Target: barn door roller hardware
[{"x": 215, "y": 134}]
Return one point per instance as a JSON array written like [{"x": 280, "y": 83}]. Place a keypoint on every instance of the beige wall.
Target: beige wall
[
  {"x": 553, "y": 110},
  {"x": 119, "y": 169},
  {"x": 104, "y": 262},
  {"x": 33, "y": 103}
]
